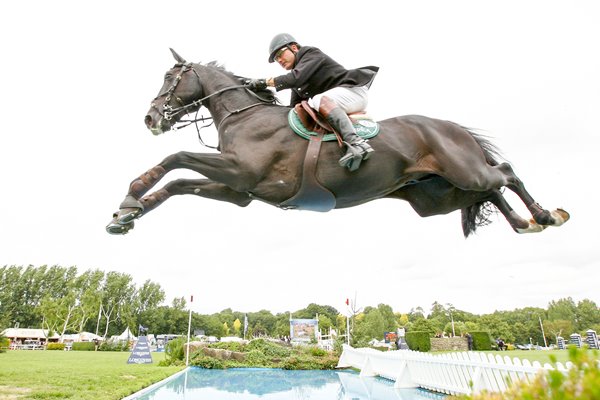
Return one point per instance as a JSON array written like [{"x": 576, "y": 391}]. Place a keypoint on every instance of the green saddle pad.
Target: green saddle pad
[{"x": 365, "y": 128}]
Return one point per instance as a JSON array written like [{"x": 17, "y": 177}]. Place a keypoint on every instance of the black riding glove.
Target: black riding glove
[{"x": 256, "y": 84}]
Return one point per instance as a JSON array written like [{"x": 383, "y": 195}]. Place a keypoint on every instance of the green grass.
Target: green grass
[
  {"x": 542, "y": 356},
  {"x": 76, "y": 374}
]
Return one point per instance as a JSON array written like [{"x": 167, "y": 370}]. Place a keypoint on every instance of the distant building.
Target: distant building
[{"x": 18, "y": 336}]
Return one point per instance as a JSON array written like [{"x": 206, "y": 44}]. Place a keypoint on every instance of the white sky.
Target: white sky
[{"x": 77, "y": 79}]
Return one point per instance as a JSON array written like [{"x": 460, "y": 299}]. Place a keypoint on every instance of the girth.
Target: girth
[{"x": 312, "y": 195}]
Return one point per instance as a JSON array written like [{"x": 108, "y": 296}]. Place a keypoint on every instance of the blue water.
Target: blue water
[{"x": 276, "y": 384}]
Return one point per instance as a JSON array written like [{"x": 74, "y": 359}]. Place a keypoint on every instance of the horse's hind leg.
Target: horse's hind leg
[
  {"x": 540, "y": 215},
  {"x": 518, "y": 224},
  {"x": 476, "y": 174}
]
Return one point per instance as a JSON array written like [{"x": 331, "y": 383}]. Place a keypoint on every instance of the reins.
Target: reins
[{"x": 168, "y": 112}]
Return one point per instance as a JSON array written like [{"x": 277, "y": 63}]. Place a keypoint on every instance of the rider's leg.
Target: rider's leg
[{"x": 357, "y": 148}]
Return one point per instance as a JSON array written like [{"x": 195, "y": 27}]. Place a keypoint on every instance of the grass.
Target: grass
[
  {"x": 543, "y": 356},
  {"x": 76, "y": 374}
]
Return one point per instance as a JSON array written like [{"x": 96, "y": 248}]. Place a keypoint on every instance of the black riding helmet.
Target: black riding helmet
[{"x": 279, "y": 41}]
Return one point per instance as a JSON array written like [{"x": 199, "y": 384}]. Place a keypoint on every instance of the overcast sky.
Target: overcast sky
[{"x": 77, "y": 79}]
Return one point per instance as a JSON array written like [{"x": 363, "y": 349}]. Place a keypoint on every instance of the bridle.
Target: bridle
[{"x": 168, "y": 112}]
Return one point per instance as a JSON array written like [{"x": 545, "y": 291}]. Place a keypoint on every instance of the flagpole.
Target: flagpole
[
  {"x": 348, "y": 323},
  {"x": 187, "y": 354},
  {"x": 543, "y": 334}
]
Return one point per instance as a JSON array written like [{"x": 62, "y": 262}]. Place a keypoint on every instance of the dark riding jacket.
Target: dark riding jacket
[{"x": 315, "y": 72}]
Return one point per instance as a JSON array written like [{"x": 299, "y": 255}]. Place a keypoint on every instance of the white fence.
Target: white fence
[{"x": 450, "y": 373}]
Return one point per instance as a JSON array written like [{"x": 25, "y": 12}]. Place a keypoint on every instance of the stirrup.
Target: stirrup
[{"x": 356, "y": 152}]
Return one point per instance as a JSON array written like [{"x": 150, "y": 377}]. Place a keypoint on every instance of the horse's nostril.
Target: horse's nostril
[{"x": 148, "y": 121}]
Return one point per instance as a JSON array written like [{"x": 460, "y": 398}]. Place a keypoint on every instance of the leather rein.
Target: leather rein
[{"x": 168, "y": 112}]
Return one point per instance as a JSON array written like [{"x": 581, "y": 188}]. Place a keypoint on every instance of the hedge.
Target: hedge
[
  {"x": 418, "y": 340},
  {"x": 55, "y": 346},
  {"x": 481, "y": 340},
  {"x": 83, "y": 346}
]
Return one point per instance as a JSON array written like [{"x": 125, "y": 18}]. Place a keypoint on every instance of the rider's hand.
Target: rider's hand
[{"x": 256, "y": 84}]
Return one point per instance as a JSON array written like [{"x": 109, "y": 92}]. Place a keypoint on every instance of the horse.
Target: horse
[{"x": 436, "y": 166}]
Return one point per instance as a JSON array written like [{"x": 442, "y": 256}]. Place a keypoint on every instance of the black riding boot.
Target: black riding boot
[{"x": 357, "y": 148}]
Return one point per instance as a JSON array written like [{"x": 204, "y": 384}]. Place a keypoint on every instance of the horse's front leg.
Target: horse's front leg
[
  {"x": 131, "y": 207},
  {"x": 216, "y": 167},
  {"x": 199, "y": 187}
]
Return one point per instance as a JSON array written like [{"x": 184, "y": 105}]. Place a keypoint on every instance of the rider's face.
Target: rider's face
[{"x": 286, "y": 57}]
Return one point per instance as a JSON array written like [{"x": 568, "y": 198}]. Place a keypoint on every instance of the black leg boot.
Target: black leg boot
[{"x": 357, "y": 148}]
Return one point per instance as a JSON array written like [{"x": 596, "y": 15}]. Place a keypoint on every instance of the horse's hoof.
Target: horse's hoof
[
  {"x": 533, "y": 227},
  {"x": 127, "y": 215},
  {"x": 560, "y": 216},
  {"x": 114, "y": 228}
]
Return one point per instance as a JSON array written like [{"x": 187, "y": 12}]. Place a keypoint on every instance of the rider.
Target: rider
[{"x": 328, "y": 87}]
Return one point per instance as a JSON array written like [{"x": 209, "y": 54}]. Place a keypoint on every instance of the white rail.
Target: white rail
[{"x": 450, "y": 373}]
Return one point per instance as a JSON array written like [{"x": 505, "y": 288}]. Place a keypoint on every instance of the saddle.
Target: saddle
[
  {"x": 307, "y": 123},
  {"x": 316, "y": 124}
]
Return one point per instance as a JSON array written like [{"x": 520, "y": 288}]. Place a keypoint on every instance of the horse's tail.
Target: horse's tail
[{"x": 478, "y": 214}]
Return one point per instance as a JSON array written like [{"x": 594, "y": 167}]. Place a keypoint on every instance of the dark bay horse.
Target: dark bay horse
[{"x": 437, "y": 166}]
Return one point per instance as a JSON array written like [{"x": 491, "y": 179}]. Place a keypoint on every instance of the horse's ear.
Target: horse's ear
[{"x": 178, "y": 58}]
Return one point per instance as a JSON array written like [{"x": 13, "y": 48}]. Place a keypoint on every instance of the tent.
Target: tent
[
  {"x": 126, "y": 335},
  {"x": 81, "y": 337}
]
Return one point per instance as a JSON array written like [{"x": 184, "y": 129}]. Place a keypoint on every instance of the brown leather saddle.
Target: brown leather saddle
[{"x": 315, "y": 122}]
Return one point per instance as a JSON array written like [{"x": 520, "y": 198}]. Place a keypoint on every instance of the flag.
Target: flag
[
  {"x": 191, "y": 298},
  {"x": 347, "y": 301}
]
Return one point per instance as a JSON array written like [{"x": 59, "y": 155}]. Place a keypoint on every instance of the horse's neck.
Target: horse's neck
[{"x": 223, "y": 104}]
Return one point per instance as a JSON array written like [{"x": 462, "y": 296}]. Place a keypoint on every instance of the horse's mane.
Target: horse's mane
[{"x": 264, "y": 95}]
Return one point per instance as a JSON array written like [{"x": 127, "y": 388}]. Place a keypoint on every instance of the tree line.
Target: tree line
[{"x": 63, "y": 301}]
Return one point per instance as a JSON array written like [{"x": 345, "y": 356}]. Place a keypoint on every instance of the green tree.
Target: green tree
[
  {"x": 497, "y": 327},
  {"x": 390, "y": 324},
  {"x": 554, "y": 329},
  {"x": 117, "y": 291},
  {"x": 282, "y": 326},
  {"x": 237, "y": 327},
  {"x": 587, "y": 315},
  {"x": 59, "y": 302},
  {"x": 369, "y": 326},
  {"x": 415, "y": 314},
  {"x": 225, "y": 330},
  {"x": 422, "y": 325},
  {"x": 563, "y": 309},
  {"x": 263, "y": 323},
  {"x": 88, "y": 286}
]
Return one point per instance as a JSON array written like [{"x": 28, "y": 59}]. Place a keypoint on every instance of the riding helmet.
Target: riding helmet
[{"x": 280, "y": 40}]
